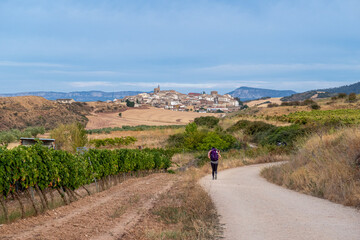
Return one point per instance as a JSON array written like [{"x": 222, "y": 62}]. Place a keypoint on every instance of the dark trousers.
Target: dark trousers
[{"x": 214, "y": 168}]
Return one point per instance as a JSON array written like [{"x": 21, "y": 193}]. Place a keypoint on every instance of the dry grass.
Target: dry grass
[
  {"x": 185, "y": 212},
  {"x": 237, "y": 158},
  {"x": 147, "y": 139},
  {"x": 228, "y": 122},
  {"x": 325, "y": 166},
  {"x": 260, "y": 103},
  {"x": 151, "y": 116}
]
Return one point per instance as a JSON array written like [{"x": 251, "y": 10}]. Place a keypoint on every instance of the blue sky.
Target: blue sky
[{"x": 183, "y": 45}]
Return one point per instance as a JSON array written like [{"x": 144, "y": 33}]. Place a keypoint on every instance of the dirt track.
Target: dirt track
[
  {"x": 134, "y": 117},
  {"x": 105, "y": 215},
  {"x": 252, "y": 208}
]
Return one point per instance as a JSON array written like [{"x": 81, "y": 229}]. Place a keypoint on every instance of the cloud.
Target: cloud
[
  {"x": 204, "y": 85},
  {"x": 266, "y": 68},
  {"x": 89, "y": 73},
  {"x": 29, "y": 64},
  {"x": 91, "y": 84}
]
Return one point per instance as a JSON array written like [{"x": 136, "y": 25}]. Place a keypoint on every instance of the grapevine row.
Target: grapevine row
[{"x": 38, "y": 166}]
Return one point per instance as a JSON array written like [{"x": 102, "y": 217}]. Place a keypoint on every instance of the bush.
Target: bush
[
  {"x": 208, "y": 121},
  {"x": 352, "y": 97},
  {"x": 315, "y": 106},
  {"x": 287, "y": 135},
  {"x": 194, "y": 139},
  {"x": 123, "y": 141},
  {"x": 342, "y": 95},
  {"x": 308, "y": 102},
  {"x": 270, "y": 105}
]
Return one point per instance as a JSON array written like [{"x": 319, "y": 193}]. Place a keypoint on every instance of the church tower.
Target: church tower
[{"x": 157, "y": 90}]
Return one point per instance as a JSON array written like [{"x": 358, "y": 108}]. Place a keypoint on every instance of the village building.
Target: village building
[
  {"x": 173, "y": 100},
  {"x": 65, "y": 100}
]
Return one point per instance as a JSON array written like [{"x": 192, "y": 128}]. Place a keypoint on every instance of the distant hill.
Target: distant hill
[
  {"x": 306, "y": 95},
  {"x": 324, "y": 93},
  {"x": 352, "y": 88},
  {"x": 84, "y": 96},
  {"x": 22, "y": 112},
  {"x": 248, "y": 93}
]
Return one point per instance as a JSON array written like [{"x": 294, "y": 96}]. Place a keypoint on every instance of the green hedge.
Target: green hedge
[
  {"x": 122, "y": 141},
  {"x": 24, "y": 167}
]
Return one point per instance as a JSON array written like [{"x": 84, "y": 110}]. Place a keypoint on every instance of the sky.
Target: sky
[{"x": 188, "y": 45}]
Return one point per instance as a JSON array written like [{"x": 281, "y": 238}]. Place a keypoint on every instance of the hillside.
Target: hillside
[
  {"x": 306, "y": 95},
  {"x": 324, "y": 93},
  {"x": 352, "y": 88},
  {"x": 247, "y": 93},
  {"x": 22, "y": 112},
  {"x": 84, "y": 96}
]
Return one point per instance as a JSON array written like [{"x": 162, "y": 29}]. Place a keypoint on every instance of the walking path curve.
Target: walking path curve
[{"x": 252, "y": 208}]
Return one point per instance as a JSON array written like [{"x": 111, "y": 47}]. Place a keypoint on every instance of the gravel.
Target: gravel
[{"x": 252, "y": 208}]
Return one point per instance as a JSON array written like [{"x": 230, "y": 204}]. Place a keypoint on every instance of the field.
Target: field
[
  {"x": 134, "y": 117},
  {"x": 146, "y": 139},
  {"x": 262, "y": 104},
  {"x": 345, "y": 116}
]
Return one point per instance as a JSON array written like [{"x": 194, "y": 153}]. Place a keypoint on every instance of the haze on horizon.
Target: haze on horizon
[{"x": 183, "y": 45}]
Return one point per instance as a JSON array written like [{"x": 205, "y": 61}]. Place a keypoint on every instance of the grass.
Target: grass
[
  {"x": 326, "y": 166},
  {"x": 185, "y": 212}
]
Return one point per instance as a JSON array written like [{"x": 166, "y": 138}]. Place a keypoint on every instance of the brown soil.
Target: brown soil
[
  {"x": 151, "y": 116},
  {"x": 106, "y": 215}
]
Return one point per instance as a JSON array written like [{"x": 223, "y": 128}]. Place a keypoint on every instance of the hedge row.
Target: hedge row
[{"x": 24, "y": 167}]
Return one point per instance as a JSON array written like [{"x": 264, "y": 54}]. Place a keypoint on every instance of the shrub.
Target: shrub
[
  {"x": 194, "y": 139},
  {"x": 208, "y": 121},
  {"x": 308, "y": 102},
  {"x": 342, "y": 95},
  {"x": 287, "y": 135},
  {"x": 315, "y": 106},
  {"x": 270, "y": 105},
  {"x": 352, "y": 97}
]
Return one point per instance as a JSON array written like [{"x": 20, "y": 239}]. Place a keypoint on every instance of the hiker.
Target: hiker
[{"x": 214, "y": 156}]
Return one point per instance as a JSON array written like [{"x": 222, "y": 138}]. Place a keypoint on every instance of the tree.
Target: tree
[
  {"x": 129, "y": 103},
  {"x": 239, "y": 101},
  {"x": 69, "y": 137},
  {"x": 34, "y": 131}
]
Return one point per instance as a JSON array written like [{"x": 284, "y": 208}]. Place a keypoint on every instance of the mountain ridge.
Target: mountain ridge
[
  {"x": 79, "y": 96},
  {"x": 324, "y": 93},
  {"x": 249, "y": 93}
]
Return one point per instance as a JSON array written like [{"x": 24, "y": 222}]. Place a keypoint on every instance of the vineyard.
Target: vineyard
[
  {"x": 123, "y": 141},
  {"x": 46, "y": 170},
  {"x": 339, "y": 116}
]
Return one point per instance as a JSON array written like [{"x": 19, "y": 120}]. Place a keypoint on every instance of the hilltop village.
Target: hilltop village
[{"x": 172, "y": 100}]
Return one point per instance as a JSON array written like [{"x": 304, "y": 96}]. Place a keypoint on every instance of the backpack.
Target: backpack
[{"x": 214, "y": 156}]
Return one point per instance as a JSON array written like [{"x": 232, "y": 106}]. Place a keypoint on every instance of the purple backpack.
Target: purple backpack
[{"x": 214, "y": 156}]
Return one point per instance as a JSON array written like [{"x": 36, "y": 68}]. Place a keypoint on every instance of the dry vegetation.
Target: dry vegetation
[
  {"x": 264, "y": 102},
  {"x": 22, "y": 112},
  {"x": 134, "y": 117},
  {"x": 326, "y": 166},
  {"x": 185, "y": 212},
  {"x": 146, "y": 139}
]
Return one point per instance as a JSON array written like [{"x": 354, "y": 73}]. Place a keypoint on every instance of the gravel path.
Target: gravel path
[{"x": 252, "y": 208}]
